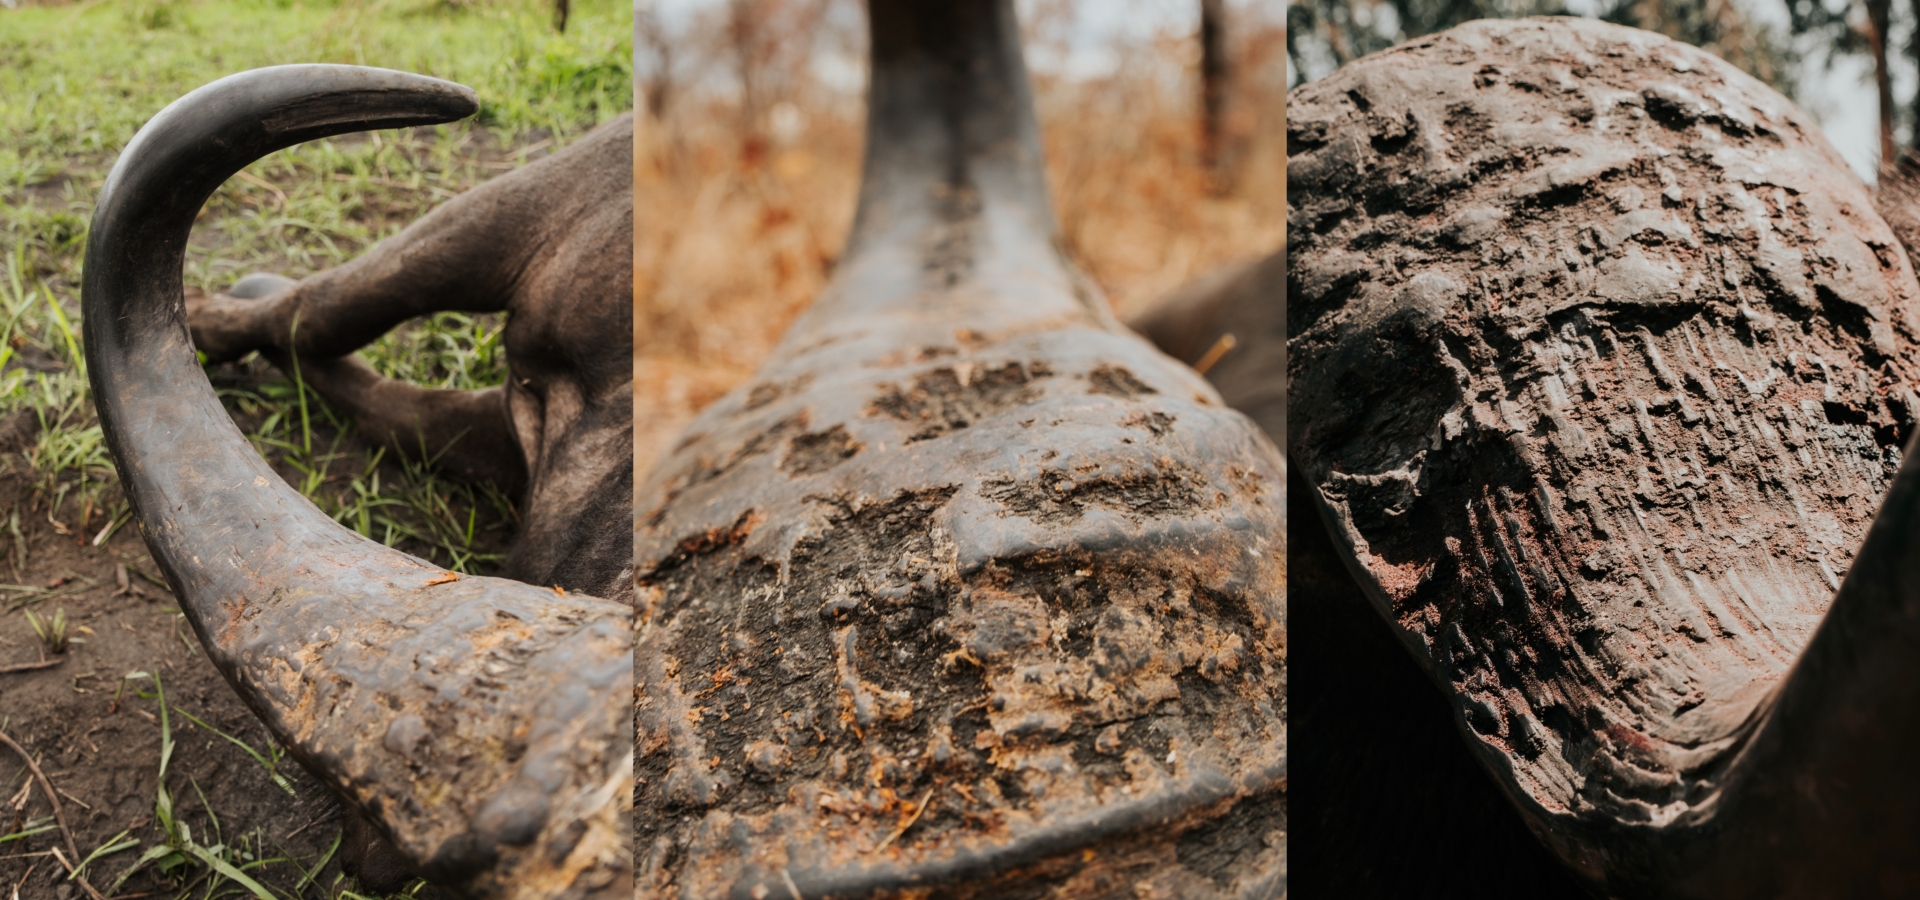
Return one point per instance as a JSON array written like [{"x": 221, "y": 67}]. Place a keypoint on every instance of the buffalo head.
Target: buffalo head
[{"x": 479, "y": 721}]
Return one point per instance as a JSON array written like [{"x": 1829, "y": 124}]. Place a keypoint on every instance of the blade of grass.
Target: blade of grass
[
  {"x": 30, "y": 828},
  {"x": 272, "y": 767},
  {"x": 113, "y": 845},
  {"x": 226, "y": 870}
]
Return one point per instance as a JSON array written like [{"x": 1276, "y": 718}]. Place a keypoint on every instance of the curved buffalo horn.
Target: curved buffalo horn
[
  {"x": 1600, "y": 355},
  {"x": 480, "y": 721},
  {"x": 969, "y": 588}
]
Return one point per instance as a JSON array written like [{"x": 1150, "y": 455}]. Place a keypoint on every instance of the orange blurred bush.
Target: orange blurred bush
[{"x": 748, "y": 163}]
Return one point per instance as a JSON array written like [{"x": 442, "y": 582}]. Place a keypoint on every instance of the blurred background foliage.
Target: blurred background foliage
[
  {"x": 1162, "y": 140},
  {"x": 1784, "y": 43},
  {"x": 1325, "y": 34}
]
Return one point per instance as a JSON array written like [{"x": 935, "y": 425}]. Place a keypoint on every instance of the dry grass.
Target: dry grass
[{"x": 742, "y": 209}]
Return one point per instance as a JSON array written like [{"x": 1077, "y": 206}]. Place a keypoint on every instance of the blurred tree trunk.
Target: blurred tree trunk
[
  {"x": 751, "y": 47},
  {"x": 1216, "y": 74},
  {"x": 658, "y": 88},
  {"x": 560, "y": 10},
  {"x": 1879, "y": 15},
  {"x": 1913, "y": 50}
]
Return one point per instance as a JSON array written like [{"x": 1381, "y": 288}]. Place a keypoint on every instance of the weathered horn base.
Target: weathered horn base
[
  {"x": 1386, "y": 822},
  {"x": 957, "y": 618},
  {"x": 1600, "y": 357},
  {"x": 970, "y": 591}
]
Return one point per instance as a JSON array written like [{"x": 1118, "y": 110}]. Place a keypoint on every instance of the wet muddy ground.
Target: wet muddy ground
[{"x": 99, "y": 742}]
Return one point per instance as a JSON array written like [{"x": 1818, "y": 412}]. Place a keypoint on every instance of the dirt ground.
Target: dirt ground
[{"x": 103, "y": 756}]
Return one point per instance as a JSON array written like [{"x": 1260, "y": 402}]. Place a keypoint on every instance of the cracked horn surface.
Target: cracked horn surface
[
  {"x": 1598, "y": 359},
  {"x": 975, "y": 573},
  {"x": 478, "y": 721},
  {"x": 970, "y": 591}
]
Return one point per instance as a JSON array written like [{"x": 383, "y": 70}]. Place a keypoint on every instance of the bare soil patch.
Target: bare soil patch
[{"x": 104, "y": 756}]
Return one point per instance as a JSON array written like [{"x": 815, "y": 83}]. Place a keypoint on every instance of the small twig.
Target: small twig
[
  {"x": 791, "y": 888},
  {"x": 53, "y": 797},
  {"x": 310, "y": 824},
  {"x": 917, "y": 811},
  {"x": 43, "y": 594},
  {"x": 46, "y": 786},
  {"x": 74, "y": 874},
  {"x": 1212, "y": 357},
  {"x": 277, "y": 193},
  {"x": 125, "y": 583},
  {"x": 23, "y": 880},
  {"x": 28, "y": 667}
]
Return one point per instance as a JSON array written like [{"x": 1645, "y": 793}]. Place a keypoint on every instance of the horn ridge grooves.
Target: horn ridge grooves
[
  {"x": 480, "y": 721},
  {"x": 1598, "y": 439}
]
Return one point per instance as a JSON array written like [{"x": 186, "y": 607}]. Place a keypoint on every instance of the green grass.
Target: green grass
[
  {"x": 211, "y": 864},
  {"x": 76, "y": 82},
  {"x": 208, "y": 863}
]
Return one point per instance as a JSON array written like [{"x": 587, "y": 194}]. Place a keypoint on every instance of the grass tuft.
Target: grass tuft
[
  {"x": 52, "y": 632},
  {"x": 213, "y": 864}
]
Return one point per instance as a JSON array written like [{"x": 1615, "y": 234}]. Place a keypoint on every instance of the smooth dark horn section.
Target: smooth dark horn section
[
  {"x": 481, "y": 722},
  {"x": 970, "y": 589},
  {"x": 953, "y": 195}
]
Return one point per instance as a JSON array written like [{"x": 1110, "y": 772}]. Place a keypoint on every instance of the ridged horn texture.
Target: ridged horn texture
[
  {"x": 1600, "y": 361},
  {"x": 970, "y": 588},
  {"x": 481, "y": 722}
]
